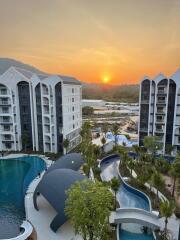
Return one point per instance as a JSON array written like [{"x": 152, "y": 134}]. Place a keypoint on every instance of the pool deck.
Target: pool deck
[{"x": 41, "y": 219}]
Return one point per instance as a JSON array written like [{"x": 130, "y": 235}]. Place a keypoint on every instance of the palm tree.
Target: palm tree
[
  {"x": 175, "y": 174},
  {"x": 123, "y": 154},
  {"x": 66, "y": 144},
  {"x": 105, "y": 128},
  {"x": 131, "y": 164},
  {"x": 115, "y": 184},
  {"x": 137, "y": 149},
  {"x": 115, "y": 130},
  {"x": 103, "y": 141},
  {"x": 166, "y": 210},
  {"x": 157, "y": 181}
]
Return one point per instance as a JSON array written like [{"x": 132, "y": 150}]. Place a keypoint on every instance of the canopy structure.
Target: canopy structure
[
  {"x": 53, "y": 187},
  {"x": 69, "y": 161}
]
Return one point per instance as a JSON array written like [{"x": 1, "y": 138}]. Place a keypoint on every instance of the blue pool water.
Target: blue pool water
[
  {"x": 128, "y": 198},
  {"x": 15, "y": 176},
  {"x": 131, "y": 200},
  {"x": 126, "y": 235}
]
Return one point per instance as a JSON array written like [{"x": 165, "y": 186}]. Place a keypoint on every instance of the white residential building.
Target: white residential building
[
  {"x": 39, "y": 111},
  {"x": 160, "y": 110}
]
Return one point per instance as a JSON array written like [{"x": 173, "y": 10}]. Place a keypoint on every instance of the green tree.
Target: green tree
[
  {"x": 115, "y": 184},
  {"x": 105, "y": 127},
  {"x": 170, "y": 148},
  {"x": 88, "y": 206},
  {"x": 103, "y": 141},
  {"x": 175, "y": 173},
  {"x": 66, "y": 144},
  {"x": 157, "y": 181},
  {"x": 25, "y": 140},
  {"x": 152, "y": 144},
  {"x": 131, "y": 164},
  {"x": 87, "y": 110},
  {"x": 123, "y": 155},
  {"x": 86, "y": 137},
  {"x": 166, "y": 210},
  {"x": 115, "y": 131}
]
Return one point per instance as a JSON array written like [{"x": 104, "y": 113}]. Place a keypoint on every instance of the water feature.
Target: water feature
[
  {"x": 15, "y": 176},
  {"x": 127, "y": 197}
]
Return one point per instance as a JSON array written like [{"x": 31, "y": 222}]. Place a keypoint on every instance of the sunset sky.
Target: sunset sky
[{"x": 115, "y": 41}]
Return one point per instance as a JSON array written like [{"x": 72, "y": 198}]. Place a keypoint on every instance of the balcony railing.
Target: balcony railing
[
  {"x": 6, "y": 122},
  {"x": 161, "y": 101},
  {"x": 5, "y": 103},
  {"x": 3, "y": 92},
  {"x": 143, "y": 129},
  {"x": 162, "y": 91},
  {"x": 159, "y": 130},
  {"x": 159, "y": 121},
  {"x": 145, "y": 101}
]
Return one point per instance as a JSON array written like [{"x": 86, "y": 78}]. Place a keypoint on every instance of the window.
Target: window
[
  {"x": 6, "y": 128},
  {"x": 8, "y": 145},
  {"x": 72, "y": 90},
  {"x": 5, "y": 119},
  {"x": 5, "y": 109},
  {"x": 73, "y": 126},
  {"x": 73, "y": 117},
  {"x": 3, "y": 91},
  {"x": 72, "y": 99},
  {"x": 73, "y": 108}
]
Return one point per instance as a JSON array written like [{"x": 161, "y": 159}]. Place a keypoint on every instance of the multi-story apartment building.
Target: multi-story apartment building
[
  {"x": 160, "y": 110},
  {"x": 38, "y": 112}
]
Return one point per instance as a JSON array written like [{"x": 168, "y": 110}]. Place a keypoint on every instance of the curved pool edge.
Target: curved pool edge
[
  {"x": 28, "y": 229},
  {"x": 26, "y": 226},
  {"x": 126, "y": 185}
]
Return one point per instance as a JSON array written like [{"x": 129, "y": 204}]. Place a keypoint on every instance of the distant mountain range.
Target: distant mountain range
[
  {"x": 126, "y": 93},
  {"x": 6, "y": 63}
]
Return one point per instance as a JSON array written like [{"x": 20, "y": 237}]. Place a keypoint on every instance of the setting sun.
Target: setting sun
[{"x": 106, "y": 79}]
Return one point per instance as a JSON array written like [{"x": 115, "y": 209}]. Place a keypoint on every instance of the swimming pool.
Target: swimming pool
[
  {"x": 15, "y": 176},
  {"x": 128, "y": 197}
]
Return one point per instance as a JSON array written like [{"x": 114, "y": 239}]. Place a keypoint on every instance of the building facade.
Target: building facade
[
  {"x": 37, "y": 112},
  {"x": 160, "y": 110}
]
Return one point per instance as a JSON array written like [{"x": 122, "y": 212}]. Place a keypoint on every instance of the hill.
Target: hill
[
  {"x": 6, "y": 63},
  {"x": 122, "y": 93}
]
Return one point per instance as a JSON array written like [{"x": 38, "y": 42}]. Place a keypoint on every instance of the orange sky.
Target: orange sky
[{"x": 121, "y": 40}]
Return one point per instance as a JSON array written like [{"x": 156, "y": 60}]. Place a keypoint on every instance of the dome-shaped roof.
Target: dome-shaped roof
[
  {"x": 70, "y": 161},
  {"x": 53, "y": 187}
]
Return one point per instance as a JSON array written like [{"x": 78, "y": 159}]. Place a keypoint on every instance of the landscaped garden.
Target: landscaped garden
[{"x": 145, "y": 171}]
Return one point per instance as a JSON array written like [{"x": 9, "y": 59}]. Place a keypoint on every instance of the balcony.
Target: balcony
[
  {"x": 143, "y": 129},
  {"x": 159, "y": 130},
  {"x": 7, "y": 140},
  {"x": 160, "y": 121},
  {"x": 3, "y": 92},
  {"x": 2, "y": 113},
  {"x": 145, "y": 101},
  {"x": 161, "y": 101},
  {"x": 46, "y": 103},
  {"x": 162, "y": 92},
  {"x": 45, "y": 92},
  {"x": 6, "y": 122},
  {"x": 5, "y": 103}
]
